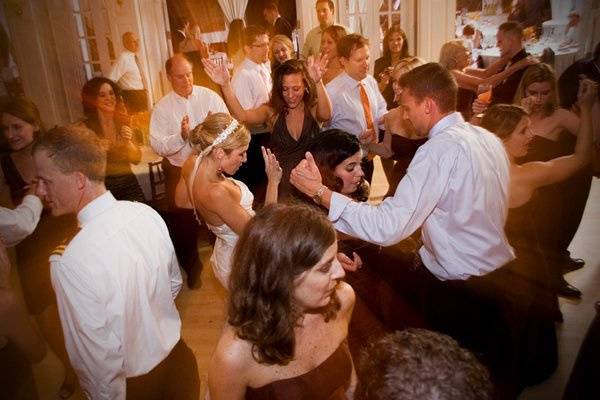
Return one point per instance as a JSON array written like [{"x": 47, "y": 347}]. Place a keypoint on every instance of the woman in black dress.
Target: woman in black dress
[
  {"x": 106, "y": 116},
  {"x": 299, "y": 102},
  {"x": 395, "y": 49}
]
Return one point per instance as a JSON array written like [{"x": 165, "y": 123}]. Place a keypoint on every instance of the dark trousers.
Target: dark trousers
[
  {"x": 181, "y": 223},
  {"x": 175, "y": 377},
  {"x": 135, "y": 100},
  {"x": 252, "y": 172}
]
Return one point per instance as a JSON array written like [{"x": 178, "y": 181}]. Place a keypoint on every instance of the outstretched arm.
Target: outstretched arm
[
  {"x": 539, "y": 174},
  {"x": 220, "y": 75}
]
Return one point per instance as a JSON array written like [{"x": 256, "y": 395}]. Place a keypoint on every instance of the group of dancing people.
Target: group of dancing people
[{"x": 460, "y": 245}]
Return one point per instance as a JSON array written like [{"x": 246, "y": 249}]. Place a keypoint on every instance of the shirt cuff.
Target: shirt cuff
[
  {"x": 34, "y": 202},
  {"x": 337, "y": 205}
]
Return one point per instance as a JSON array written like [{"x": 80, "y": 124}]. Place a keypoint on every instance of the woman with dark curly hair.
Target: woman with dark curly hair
[
  {"x": 288, "y": 312},
  {"x": 338, "y": 156},
  {"x": 298, "y": 103},
  {"x": 106, "y": 115}
]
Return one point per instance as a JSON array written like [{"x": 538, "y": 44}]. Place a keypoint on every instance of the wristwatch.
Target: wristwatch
[{"x": 320, "y": 192}]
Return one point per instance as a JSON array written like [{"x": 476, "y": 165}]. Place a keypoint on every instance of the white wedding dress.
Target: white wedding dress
[{"x": 222, "y": 254}]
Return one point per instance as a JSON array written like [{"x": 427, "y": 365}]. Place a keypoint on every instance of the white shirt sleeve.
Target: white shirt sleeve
[
  {"x": 242, "y": 87},
  {"x": 17, "y": 224},
  {"x": 164, "y": 139},
  {"x": 95, "y": 351},
  {"x": 118, "y": 69},
  {"x": 399, "y": 216}
]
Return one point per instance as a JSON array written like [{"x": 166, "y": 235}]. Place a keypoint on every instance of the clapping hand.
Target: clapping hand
[
  {"x": 219, "y": 74},
  {"x": 350, "y": 264},
  {"x": 272, "y": 168},
  {"x": 306, "y": 177},
  {"x": 126, "y": 133},
  {"x": 185, "y": 127},
  {"x": 316, "y": 67},
  {"x": 367, "y": 136}
]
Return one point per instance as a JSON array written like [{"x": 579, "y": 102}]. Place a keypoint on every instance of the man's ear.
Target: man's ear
[
  {"x": 343, "y": 61},
  {"x": 81, "y": 180}
]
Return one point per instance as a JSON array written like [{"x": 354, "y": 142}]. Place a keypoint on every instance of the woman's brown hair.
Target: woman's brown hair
[
  {"x": 279, "y": 244},
  {"x": 502, "y": 119}
]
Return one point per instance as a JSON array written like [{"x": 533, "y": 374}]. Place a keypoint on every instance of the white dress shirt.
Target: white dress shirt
[
  {"x": 17, "y": 224},
  {"x": 126, "y": 73},
  {"x": 348, "y": 112},
  {"x": 252, "y": 85},
  {"x": 165, "y": 123},
  {"x": 115, "y": 287},
  {"x": 456, "y": 188}
]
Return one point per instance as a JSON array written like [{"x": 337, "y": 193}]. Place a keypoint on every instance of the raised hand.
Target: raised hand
[
  {"x": 272, "y": 168},
  {"x": 350, "y": 264},
  {"x": 316, "y": 66},
  {"x": 588, "y": 93},
  {"x": 219, "y": 74},
  {"x": 306, "y": 177}
]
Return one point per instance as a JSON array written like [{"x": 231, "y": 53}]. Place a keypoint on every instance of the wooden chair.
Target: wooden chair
[{"x": 158, "y": 185}]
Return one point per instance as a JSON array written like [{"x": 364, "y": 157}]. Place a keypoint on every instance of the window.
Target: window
[
  {"x": 389, "y": 14},
  {"x": 95, "y": 39}
]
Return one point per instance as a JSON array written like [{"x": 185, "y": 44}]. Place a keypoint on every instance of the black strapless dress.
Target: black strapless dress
[
  {"x": 328, "y": 381},
  {"x": 404, "y": 150}
]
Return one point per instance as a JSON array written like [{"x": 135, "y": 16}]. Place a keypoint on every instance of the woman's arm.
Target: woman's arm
[
  {"x": 537, "y": 174},
  {"x": 383, "y": 149},
  {"x": 133, "y": 152},
  {"x": 489, "y": 71},
  {"x": 568, "y": 120},
  {"x": 316, "y": 68},
  {"x": 221, "y": 202},
  {"x": 228, "y": 370},
  {"x": 273, "y": 171},
  {"x": 470, "y": 82},
  {"x": 219, "y": 74}
]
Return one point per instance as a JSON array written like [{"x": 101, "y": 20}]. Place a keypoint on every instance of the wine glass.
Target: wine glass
[{"x": 484, "y": 92}]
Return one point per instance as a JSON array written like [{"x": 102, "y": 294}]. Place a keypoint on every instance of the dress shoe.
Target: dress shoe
[
  {"x": 572, "y": 264},
  {"x": 565, "y": 289}
]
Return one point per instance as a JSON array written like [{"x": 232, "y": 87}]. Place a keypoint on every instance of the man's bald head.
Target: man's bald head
[
  {"x": 130, "y": 42},
  {"x": 179, "y": 73}
]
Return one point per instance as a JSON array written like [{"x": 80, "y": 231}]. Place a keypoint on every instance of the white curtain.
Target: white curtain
[{"x": 233, "y": 8}]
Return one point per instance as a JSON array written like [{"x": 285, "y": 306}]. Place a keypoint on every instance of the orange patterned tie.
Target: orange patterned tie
[{"x": 364, "y": 99}]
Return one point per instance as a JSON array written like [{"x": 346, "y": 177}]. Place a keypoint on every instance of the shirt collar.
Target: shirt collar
[
  {"x": 449, "y": 120},
  {"x": 95, "y": 208},
  {"x": 181, "y": 99}
]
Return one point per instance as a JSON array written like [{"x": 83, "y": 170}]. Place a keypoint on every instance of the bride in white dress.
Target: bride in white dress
[{"x": 225, "y": 204}]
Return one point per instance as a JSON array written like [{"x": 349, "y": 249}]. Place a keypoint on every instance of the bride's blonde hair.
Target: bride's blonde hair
[{"x": 204, "y": 135}]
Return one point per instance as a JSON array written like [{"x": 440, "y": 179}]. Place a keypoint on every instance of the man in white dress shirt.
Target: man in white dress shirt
[
  {"x": 181, "y": 110},
  {"x": 456, "y": 191},
  {"x": 128, "y": 73},
  {"x": 312, "y": 41},
  {"x": 357, "y": 104},
  {"x": 116, "y": 280},
  {"x": 252, "y": 86}
]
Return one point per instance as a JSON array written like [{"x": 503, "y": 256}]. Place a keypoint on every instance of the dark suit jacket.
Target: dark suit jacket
[
  {"x": 568, "y": 83},
  {"x": 505, "y": 91},
  {"x": 281, "y": 27}
]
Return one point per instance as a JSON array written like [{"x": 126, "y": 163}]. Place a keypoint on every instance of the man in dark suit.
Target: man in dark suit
[
  {"x": 568, "y": 83},
  {"x": 509, "y": 40},
  {"x": 276, "y": 24}
]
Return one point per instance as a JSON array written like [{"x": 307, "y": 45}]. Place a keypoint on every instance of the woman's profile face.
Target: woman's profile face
[
  {"x": 293, "y": 88},
  {"x": 350, "y": 172},
  {"x": 18, "y": 133},
  {"x": 106, "y": 101},
  {"x": 328, "y": 46},
  {"x": 231, "y": 162},
  {"x": 314, "y": 287},
  {"x": 395, "y": 43},
  {"x": 540, "y": 94},
  {"x": 281, "y": 53},
  {"x": 517, "y": 143}
]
